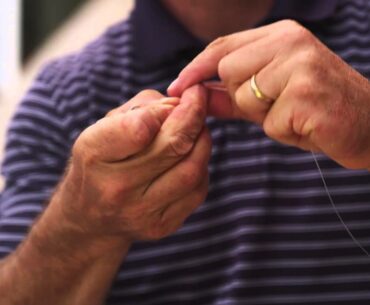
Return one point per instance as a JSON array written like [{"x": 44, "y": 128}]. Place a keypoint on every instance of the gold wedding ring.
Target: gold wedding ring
[{"x": 258, "y": 93}]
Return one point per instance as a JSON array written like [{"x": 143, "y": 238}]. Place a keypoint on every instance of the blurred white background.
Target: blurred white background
[
  {"x": 9, "y": 41},
  {"x": 90, "y": 20}
]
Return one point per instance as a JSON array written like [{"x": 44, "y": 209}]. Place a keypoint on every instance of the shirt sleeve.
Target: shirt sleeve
[{"x": 36, "y": 153}]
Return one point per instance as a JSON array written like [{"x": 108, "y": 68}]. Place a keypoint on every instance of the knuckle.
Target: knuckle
[
  {"x": 281, "y": 126},
  {"x": 310, "y": 62},
  {"x": 117, "y": 191},
  {"x": 149, "y": 93},
  {"x": 111, "y": 188},
  {"x": 191, "y": 175},
  {"x": 198, "y": 112},
  {"x": 218, "y": 42},
  {"x": 303, "y": 89},
  {"x": 112, "y": 112},
  {"x": 301, "y": 35},
  {"x": 289, "y": 23},
  {"x": 77, "y": 150},
  {"x": 296, "y": 32},
  {"x": 224, "y": 68},
  {"x": 180, "y": 144},
  {"x": 201, "y": 195},
  {"x": 159, "y": 231},
  {"x": 310, "y": 57},
  {"x": 139, "y": 131},
  {"x": 270, "y": 128},
  {"x": 84, "y": 151}
]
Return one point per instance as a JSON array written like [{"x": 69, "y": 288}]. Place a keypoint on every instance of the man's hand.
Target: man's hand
[
  {"x": 320, "y": 103},
  {"x": 139, "y": 172},
  {"x": 135, "y": 174}
]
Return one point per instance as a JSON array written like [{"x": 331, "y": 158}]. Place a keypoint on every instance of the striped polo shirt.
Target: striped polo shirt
[{"x": 266, "y": 233}]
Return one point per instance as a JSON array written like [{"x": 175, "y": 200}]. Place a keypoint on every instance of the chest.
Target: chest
[{"x": 267, "y": 216}]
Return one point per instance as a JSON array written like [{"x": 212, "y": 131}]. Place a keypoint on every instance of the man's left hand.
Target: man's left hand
[{"x": 318, "y": 101}]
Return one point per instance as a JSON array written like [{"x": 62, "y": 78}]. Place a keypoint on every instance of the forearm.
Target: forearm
[{"x": 57, "y": 264}]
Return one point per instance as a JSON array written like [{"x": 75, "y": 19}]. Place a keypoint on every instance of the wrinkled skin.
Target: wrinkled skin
[{"x": 320, "y": 102}]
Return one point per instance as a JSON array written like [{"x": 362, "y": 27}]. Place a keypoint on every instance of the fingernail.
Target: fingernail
[
  {"x": 172, "y": 87},
  {"x": 215, "y": 85},
  {"x": 163, "y": 111},
  {"x": 166, "y": 107},
  {"x": 174, "y": 101}
]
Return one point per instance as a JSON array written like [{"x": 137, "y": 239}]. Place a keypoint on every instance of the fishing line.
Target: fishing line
[
  {"x": 218, "y": 86},
  {"x": 336, "y": 209}
]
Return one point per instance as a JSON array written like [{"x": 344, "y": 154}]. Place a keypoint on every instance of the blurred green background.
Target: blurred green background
[{"x": 40, "y": 19}]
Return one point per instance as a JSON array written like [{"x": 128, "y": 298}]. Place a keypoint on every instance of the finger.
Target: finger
[
  {"x": 144, "y": 98},
  {"x": 241, "y": 64},
  {"x": 220, "y": 105},
  {"x": 183, "y": 177},
  {"x": 167, "y": 220},
  {"x": 117, "y": 137},
  {"x": 177, "y": 212},
  {"x": 272, "y": 81},
  {"x": 175, "y": 140},
  {"x": 178, "y": 133},
  {"x": 182, "y": 128},
  {"x": 271, "y": 75},
  {"x": 205, "y": 65},
  {"x": 292, "y": 119},
  {"x": 279, "y": 125},
  {"x": 219, "y": 102},
  {"x": 249, "y": 106},
  {"x": 243, "y": 105}
]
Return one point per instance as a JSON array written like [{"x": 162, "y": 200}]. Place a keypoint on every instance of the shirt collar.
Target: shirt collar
[
  {"x": 158, "y": 35},
  {"x": 304, "y": 10}
]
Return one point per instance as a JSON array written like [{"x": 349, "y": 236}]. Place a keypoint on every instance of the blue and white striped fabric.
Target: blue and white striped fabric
[{"x": 266, "y": 234}]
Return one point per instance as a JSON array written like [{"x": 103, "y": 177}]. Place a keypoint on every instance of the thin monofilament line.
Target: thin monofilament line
[{"x": 336, "y": 209}]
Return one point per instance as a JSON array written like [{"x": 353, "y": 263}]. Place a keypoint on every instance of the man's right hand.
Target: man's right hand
[
  {"x": 139, "y": 172},
  {"x": 135, "y": 174}
]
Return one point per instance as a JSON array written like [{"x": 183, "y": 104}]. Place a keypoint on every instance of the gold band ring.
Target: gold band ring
[{"x": 258, "y": 93}]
